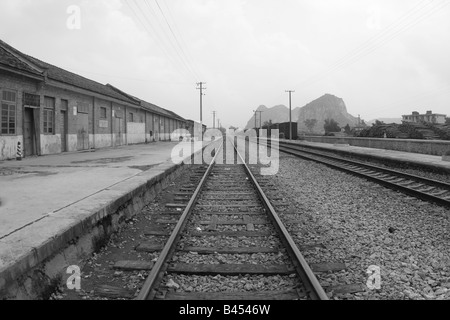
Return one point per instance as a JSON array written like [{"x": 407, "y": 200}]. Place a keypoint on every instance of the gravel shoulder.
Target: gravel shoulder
[{"x": 364, "y": 225}]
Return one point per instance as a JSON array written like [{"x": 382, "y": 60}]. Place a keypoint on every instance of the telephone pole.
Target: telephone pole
[
  {"x": 214, "y": 119},
  {"x": 290, "y": 112},
  {"x": 201, "y": 88},
  {"x": 260, "y": 118}
]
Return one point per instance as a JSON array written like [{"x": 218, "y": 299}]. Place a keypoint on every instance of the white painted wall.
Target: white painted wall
[
  {"x": 50, "y": 144},
  {"x": 135, "y": 133},
  {"x": 8, "y": 146},
  {"x": 103, "y": 141}
]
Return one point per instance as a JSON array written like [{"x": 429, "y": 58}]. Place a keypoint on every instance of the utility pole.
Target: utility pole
[
  {"x": 260, "y": 118},
  {"x": 214, "y": 119},
  {"x": 290, "y": 112},
  {"x": 201, "y": 88}
]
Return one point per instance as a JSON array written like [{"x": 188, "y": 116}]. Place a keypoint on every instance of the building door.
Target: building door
[
  {"x": 156, "y": 128},
  {"x": 83, "y": 131},
  {"x": 29, "y": 133},
  {"x": 118, "y": 130},
  {"x": 63, "y": 128}
]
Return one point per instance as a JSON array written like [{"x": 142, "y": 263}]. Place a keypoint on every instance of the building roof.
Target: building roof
[
  {"x": 73, "y": 79},
  {"x": 147, "y": 105},
  {"x": 8, "y": 59},
  {"x": 15, "y": 59},
  {"x": 174, "y": 115},
  {"x": 18, "y": 60},
  {"x": 415, "y": 113},
  {"x": 165, "y": 112}
]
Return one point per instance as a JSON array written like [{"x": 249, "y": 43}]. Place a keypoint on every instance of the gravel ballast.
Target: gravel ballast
[{"x": 364, "y": 224}]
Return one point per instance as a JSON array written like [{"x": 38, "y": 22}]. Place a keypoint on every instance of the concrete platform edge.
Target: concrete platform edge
[
  {"x": 431, "y": 166},
  {"x": 70, "y": 235}
]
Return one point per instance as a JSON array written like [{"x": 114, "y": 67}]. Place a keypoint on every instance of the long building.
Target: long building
[{"x": 49, "y": 110}]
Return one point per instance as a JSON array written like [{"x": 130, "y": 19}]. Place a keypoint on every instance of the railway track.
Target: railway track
[
  {"x": 420, "y": 187},
  {"x": 227, "y": 231}
]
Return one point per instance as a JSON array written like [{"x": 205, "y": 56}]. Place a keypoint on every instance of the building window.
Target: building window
[
  {"x": 48, "y": 122},
  {"x": 48, "y": 115},
  {"x": 8, "y": 113},
  {"x": 131, "y": 117},
  {"x": 64, "y": 105},
  {"x": 102, "y": 113}
]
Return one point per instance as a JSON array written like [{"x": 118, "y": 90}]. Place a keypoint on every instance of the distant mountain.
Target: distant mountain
[
  {"x": 326, "y": 107},
  {"x": 386, "y": 120},
  {"x": 277, "y": 114}
]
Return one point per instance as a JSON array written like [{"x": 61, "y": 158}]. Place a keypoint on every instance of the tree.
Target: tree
[
  {"x": 310, "y": 124},
  {"x": 348, "y": 130},
  {"x": 267, "y": 123},
  {"x": 331, "y": 126},
  {"x": 447, "y": 121},
  {"x": 377, "y": 123}
]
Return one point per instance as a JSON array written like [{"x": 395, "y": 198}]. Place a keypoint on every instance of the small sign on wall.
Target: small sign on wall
[
  {"x": 103, "y": 123},
  {"x": 75, "y": 111}
]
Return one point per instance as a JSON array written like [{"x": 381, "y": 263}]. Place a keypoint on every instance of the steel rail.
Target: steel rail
[
  {"x": 438, "y": 183},
  {"x": 148, "y": 290},
  {"x": 416, "y": 193},
  {"x": 312, "y": 285}
]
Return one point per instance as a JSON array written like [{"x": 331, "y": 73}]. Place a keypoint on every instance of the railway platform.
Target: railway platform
[
  {"x": 414, "y": 159},
  {"x": 53, "y": 208}
]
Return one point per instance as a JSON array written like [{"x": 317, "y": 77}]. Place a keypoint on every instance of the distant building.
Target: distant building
[
  {"x": 283, "y": 130},
  {"x": 429, "y": 117},
  {"x": 190, "y": 126}
]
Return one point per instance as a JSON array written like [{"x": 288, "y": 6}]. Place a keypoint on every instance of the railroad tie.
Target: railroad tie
[
  {"x": 213, "y": 224},
  {"x": 250, "y": 225}
]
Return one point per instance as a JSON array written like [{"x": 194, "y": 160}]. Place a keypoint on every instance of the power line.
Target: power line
[
  {"x": 182, "y": 39},
  {"x": 347, "y": 59},
  {"x": 408, "y": 26},
  {"x": 131, "y": 79},
  {"x": 380, "y": 34},
  {"x": 176, "y": 40},
  {"x": 167, "y": 37},
  {"x": 414, "y": 98},
  {"x": 380, "y": 39},
  {"x": 178, "y": 50},
  {"x": 159, "y": 41}
]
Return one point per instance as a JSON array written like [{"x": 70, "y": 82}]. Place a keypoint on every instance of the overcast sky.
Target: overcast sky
[{"x": 385, "y": 58}]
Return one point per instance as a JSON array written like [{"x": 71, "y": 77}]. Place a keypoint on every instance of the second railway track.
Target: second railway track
[{"x": 420, "y": 187}]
